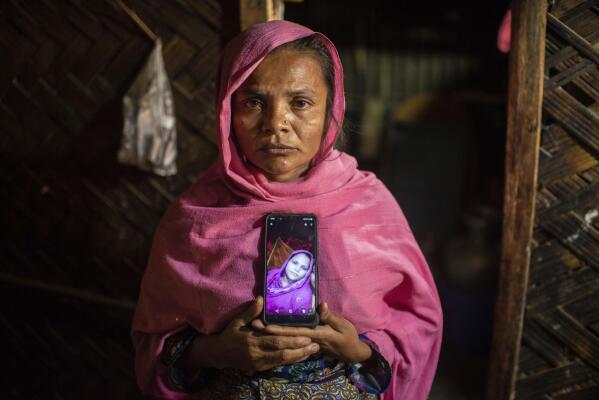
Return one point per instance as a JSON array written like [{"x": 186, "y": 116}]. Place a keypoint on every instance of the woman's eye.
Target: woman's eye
[
  {"x": 253, "y": 104},
  {"x": 301, "y": 104}
]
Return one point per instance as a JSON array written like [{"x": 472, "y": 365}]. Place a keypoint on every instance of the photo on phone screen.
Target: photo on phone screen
[{"x": 291, "y": 287}]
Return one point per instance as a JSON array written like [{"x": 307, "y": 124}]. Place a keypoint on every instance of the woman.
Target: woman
[
  {"x": 288, "y": 288},
  {"x": 280, "y": 103}
]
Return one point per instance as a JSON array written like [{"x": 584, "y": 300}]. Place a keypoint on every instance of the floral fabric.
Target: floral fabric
[{"x": 317, "y": 376}]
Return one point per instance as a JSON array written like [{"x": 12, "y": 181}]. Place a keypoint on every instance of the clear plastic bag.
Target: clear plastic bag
[{"x": 149, "y": 126}]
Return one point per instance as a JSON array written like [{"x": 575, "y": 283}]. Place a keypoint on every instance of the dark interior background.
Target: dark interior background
[
  {"x": 425, "y": 87},
  {"x": 426, "y": 83}
]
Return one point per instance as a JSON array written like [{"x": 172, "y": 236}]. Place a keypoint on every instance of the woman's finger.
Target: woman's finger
[
  {"x": 328, "y": 318},
  {"x": 291, "y": 331},
  {"x": 290, "y": 356},
  {"x": 258, "y": 324},
  {"x": 284, "y": 342},
  {"x": 251, "y": 313},
  {"x": 324, "y": 312}
]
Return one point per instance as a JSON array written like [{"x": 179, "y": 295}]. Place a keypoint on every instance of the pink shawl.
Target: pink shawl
[{"x": 206, "y": 265}]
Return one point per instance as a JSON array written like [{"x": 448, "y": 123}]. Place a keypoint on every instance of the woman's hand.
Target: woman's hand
[
  {"x": 336, "y": 336},
  {"x": 241, "y": 347}
]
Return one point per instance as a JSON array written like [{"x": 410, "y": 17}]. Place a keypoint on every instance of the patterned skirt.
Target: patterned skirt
[{"x": 234, "y": 385}]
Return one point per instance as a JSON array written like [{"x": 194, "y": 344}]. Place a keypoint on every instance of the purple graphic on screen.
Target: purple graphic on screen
[{"x": 289, "y": 288}]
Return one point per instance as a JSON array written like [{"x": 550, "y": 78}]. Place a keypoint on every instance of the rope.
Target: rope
[{"x": 138, "y": 21}]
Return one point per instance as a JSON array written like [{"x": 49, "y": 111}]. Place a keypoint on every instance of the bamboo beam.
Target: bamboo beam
[{"x": 525, "y": 98}]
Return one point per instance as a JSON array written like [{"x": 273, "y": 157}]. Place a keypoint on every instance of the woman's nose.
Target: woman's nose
[{"x": 275, "y": 119}]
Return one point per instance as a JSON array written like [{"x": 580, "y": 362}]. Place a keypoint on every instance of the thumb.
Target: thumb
[
  {"x": 252, "y": 312},
  {"x": 327, "y": 317}
]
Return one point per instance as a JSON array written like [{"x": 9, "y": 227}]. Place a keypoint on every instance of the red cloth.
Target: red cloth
[
  {"x": 206, "y": 266},
  {"x": 505, "y": 33}
]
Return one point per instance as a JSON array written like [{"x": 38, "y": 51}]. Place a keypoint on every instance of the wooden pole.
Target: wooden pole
[
  {"x": 525, "y": 99},
  {"x": 255, "y": 11}
]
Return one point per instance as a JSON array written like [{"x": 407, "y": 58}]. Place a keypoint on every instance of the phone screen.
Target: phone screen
[{"x": 291, "y": 284}]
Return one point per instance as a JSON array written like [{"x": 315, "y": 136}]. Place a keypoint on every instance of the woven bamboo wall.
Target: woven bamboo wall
[
  {"x": 76, "y": 225},
  {"x": 559, "y": 357}
]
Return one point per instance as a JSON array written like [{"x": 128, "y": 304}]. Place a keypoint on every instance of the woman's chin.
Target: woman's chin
[
  {"x": 279, "y": 168},
  {"x": 277, "y": 174}
]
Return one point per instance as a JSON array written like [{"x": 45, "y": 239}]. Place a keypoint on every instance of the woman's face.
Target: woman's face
[
  {"x": 279, "y": 114},
  {"x": 297, "y": 267}
]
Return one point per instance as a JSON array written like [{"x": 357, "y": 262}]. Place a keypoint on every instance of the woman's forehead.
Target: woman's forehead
[
  {"x": 303, "y": 255},
  {"x": 288, "y": 69}
]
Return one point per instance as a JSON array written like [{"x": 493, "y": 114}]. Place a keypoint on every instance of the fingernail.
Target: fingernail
[{"x": 314, "y": 347}]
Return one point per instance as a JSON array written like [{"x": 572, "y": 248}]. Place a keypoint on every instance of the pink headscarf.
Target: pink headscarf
[{"x": 206, "y": 266}]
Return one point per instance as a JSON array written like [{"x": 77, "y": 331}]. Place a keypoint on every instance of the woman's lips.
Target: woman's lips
[{"x": 278, "y": 149}]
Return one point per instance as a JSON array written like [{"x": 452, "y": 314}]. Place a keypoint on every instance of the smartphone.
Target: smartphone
[{"x": 291, "y": 270}]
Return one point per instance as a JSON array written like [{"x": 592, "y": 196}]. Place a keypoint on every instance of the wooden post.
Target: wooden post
[
  {"x": 255, "y": 11},
  {"x": 525, "y": 95}
]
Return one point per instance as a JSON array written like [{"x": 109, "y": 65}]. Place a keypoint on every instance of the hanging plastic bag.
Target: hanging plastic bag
[{"x": 149, "y": 129}]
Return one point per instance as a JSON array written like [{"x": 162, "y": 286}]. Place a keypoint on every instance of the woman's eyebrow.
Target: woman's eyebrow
[
  {"x": 301, "y": 91},
  {"x": 251, "y": 92}
]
